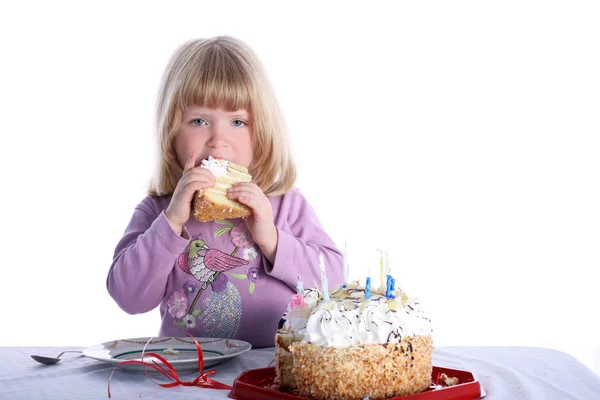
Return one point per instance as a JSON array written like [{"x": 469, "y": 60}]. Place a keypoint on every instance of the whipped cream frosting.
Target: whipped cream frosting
[
  {"x": 348, "y": 319},
  {"x": 218, "y": 168}
]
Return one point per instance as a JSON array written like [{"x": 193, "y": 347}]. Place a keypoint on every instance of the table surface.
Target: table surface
[{"x": 505, "y": 373}]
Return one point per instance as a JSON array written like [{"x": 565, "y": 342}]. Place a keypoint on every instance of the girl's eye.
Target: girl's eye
[
  {"x": 198, "y": 122},
  {"x": 238, "y": 122}
]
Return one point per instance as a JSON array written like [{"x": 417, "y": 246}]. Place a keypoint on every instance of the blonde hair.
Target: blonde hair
[{"x": 223, "y": 72}]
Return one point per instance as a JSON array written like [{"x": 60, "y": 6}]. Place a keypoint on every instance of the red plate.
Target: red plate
[{"x": 258, "y": 384}]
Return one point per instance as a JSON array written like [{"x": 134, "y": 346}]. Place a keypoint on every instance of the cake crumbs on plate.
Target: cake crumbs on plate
[{"x": 449, "y": 381}]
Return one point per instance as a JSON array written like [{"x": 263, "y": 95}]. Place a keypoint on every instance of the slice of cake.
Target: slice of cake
[
  {"x": 212, "y": 203},
  {"x": 284, "y": 360},
  {"x": 351, "y": 347}
]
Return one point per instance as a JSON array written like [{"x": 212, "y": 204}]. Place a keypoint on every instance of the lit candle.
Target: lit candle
[
  {"x": 324, "y": 284},
  {"x": 346, "y": 266},
  {"x": 300, "y": 287},
  {"x": 383, "y": 285}
]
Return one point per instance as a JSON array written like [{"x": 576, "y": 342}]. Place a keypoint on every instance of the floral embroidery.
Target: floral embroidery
[
  {"x": 228, "y": 227},
  {"x": 190, "y": 321},
  {"x": 251, "y": 275},
  {"x": 177, "y": 304},
  {"x": 250, "y": 254},
  {"x": 189, "y": 288},
  {"x": 241, "y": 237}
]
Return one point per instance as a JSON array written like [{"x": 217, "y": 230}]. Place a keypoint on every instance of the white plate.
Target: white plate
[{"x": 214, "y": 351}]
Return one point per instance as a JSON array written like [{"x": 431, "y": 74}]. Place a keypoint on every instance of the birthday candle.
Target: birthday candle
[
  {"x": 368, "y": 285},
  {"x": 324, "y": 284},
  {"x": 387, "y": 287},
  {"x": 300, "y": 287},
  {"x": 346, "y": 266},
  {"x": 390, "y": 281},
  {"x": 382, "y": 286}
]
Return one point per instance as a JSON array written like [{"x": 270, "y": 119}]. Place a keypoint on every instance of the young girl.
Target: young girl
[{"x": 227, "y": 278}]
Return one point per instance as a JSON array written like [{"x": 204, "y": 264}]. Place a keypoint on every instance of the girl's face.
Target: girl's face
[{"x": 214, "y": 132}]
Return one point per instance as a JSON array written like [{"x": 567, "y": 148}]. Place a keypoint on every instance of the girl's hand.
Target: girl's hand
[
  {"x": 260, "y": 223},
  {"x": 193, "y": 179}
]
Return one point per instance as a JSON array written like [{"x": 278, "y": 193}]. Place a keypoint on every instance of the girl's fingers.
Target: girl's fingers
[
  {"x": 247, "y": 199},
  {"x": 239, "y": 192},
  {"x": 200, "y": 171},
  {"x": 191, "y": 161},
  {"x": 244, "y": 187},
  {"x": 198, "y": 174},
  {"x": 201, "y": 183},
  {"x": 192, "y": 187},
  {"x": 260, "y": 210}
]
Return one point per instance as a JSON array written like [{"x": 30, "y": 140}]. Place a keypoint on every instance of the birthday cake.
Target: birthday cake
[
  {"x": 354, "y": 342},
  {"x": 212, "y": 203}
]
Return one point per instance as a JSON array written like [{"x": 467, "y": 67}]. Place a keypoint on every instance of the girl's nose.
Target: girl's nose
[{"x": 217, "y": 137}]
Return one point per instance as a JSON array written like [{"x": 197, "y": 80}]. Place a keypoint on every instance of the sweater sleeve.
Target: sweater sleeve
[
  {"x": 301, "y": 238},
  {"x": 143, "y": 260}
]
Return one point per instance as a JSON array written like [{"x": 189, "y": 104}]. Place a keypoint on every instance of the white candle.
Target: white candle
[
  {"x": 324, "y": 284},
  {"x": 300, "y": 286},
  {"x": 346, "y": 265},
  {"x": 383, "y": 281}
]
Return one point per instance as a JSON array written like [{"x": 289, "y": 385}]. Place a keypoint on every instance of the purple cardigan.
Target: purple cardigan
[{"x": 216, "y": 282}]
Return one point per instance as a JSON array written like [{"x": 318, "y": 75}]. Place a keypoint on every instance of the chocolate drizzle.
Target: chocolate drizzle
[{"x": 394, "y": 335}]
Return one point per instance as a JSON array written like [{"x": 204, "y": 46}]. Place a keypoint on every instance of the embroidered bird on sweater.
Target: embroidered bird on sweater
[
  {"x": 202, "y": 262},
  {"x": 207, "y": 266}
]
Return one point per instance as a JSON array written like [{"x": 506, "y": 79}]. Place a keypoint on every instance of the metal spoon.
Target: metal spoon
[{"x": 51, "y": 360}]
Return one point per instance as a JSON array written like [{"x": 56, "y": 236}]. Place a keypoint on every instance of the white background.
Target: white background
[{"x": 462, "y": 137}]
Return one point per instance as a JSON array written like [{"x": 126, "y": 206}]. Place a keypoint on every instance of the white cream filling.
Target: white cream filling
[{"x": 215, "y": 166}]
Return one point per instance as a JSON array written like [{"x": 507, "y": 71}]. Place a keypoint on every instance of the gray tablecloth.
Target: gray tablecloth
[{"x": 505, "y": 373}]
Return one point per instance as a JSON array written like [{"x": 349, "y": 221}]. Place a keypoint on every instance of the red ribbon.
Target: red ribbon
[{"x": 201, "y": 381}]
